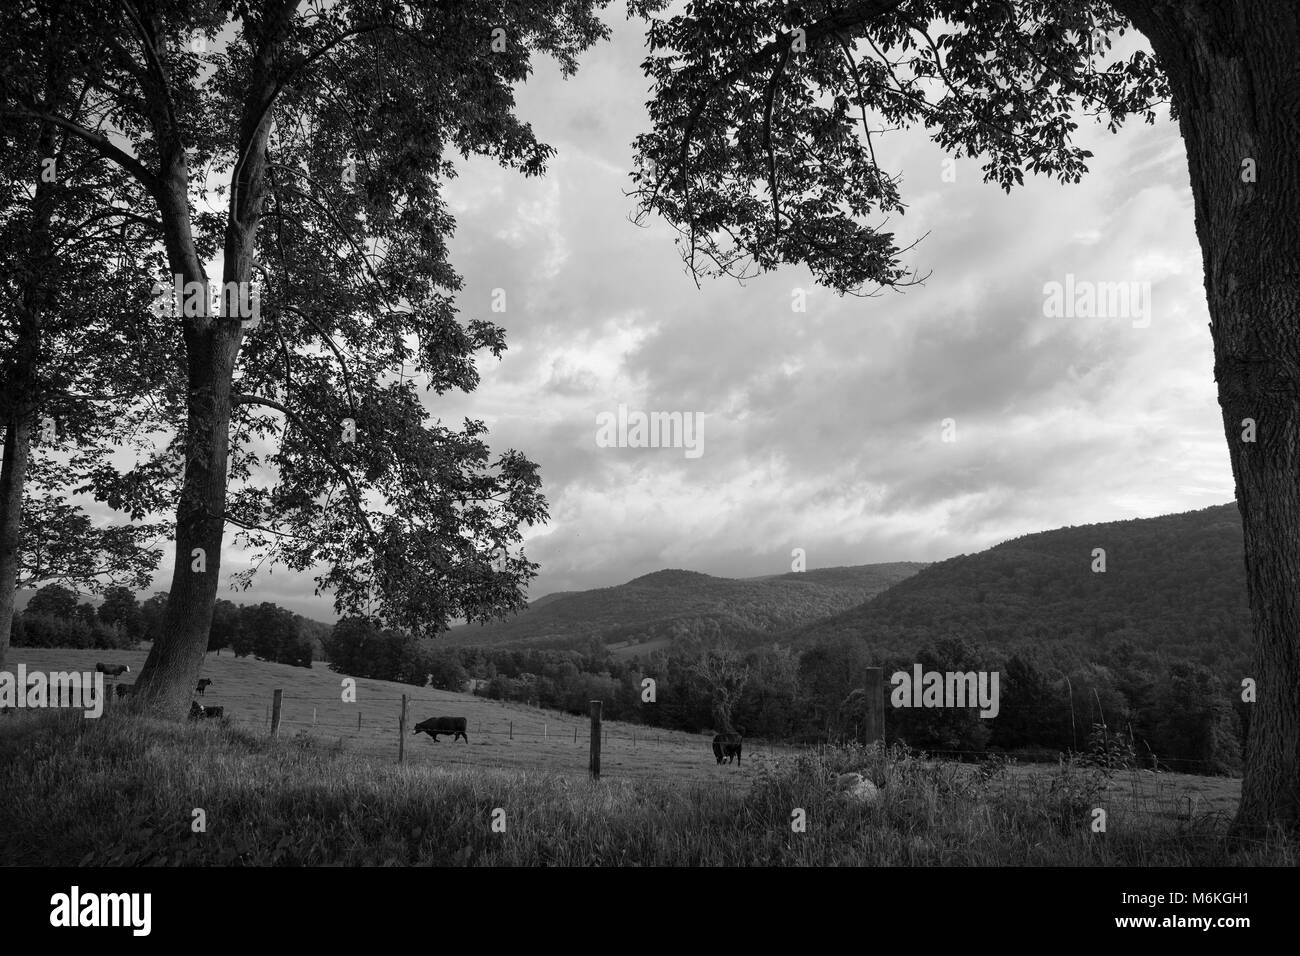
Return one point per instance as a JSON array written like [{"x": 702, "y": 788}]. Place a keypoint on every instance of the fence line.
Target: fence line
[{"x": 654, "y": 735}]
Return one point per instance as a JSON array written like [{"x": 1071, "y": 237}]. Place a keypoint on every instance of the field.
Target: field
[
  {"x": 502, "y": 735},
  {"x": 119, "y": 790},
  {"x": 510, "y": 736}
]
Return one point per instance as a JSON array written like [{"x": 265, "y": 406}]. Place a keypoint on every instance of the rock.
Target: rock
[{"x": 856, "y": 788}]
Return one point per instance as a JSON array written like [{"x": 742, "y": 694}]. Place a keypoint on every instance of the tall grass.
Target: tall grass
[{"x": 123, "y": 790}]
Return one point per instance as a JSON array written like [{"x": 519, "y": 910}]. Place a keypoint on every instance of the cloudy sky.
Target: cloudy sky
[{"x": 823, "y": 429}]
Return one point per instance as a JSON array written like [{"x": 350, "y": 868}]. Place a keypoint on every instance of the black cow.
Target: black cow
[
  {"x": 443, "y": 725},
  {"x": 726, "y": 746},
  {"x": 203, "y": 686},
  {"x": 211, "y": 712},
  {"x": 113, "y": 670}
]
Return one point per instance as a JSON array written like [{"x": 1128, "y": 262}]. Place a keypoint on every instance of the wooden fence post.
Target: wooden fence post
[
  {"x": 544, "y": 730},
  {"x": 575, "y": 733},
  {"x": 595, "y": 740},
  {"x": 512, "y": 730},
  {"x": 358, "y": 720},
  {"x": 401, "y": 733},
  {"x": 313, "y": 716},
  {"x": 874, "y": 719},
  {"x": 277, "y": 699}
]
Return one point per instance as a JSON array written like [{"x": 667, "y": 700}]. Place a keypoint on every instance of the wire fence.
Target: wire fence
[
  {"x": 371, "y": 724},
  {"x": 557, "y": 743},
  {"x": 367, "y": 716}
]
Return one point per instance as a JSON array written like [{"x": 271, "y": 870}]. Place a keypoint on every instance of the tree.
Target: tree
[
  {"x": 947, "y": 727},
  {"x": 755, "y": 156},
  {"x": 225, "y": 625},
  {"x": 446, "y": 672},
  {"x": 828, "y": 673},
  {"x": 53, "y": 601},
  {"x": 69, "y": 285},
  {"x": 1029, "y": 712},
  {"x": 120, "y": 609},
  {"x": 723, "y": 674},
  {"x": 345, "y": 643},
  {"x": 271, "y": 631},
  {"x": 1196, "y": 723},
  {"x": 332, "y": 129},
  {"x": 241, "y": 641}
]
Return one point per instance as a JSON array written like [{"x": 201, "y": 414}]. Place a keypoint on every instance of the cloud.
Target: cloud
[{"x": 823, "y": 427}]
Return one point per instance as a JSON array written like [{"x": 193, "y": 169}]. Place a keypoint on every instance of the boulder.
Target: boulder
[{"x": 855, "y": 788}]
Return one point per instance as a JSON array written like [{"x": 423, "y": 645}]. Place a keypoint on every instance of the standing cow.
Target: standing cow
[
  {"x": 113, "y": 670},
  {"x": 443, "y": 725},
  {"x": 726, "y": 746}
]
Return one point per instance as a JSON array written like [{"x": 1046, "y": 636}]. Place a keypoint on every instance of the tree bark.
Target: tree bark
[
  {"x": 12, "y": 476},
  {"x": 1235, "y": 80},
  {"x": 20, "y": 396},
  {"x": 167, "y": 680}
]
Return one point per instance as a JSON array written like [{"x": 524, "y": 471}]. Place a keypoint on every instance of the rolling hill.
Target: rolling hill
[
  {"x": 659, "y": 606},
  {"x": 1175, "y": 583}
]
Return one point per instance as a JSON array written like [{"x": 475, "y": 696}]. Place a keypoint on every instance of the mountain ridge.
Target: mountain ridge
[
  {"x": 1174, "y": 583},
  {"x": 674, "y": 602}
]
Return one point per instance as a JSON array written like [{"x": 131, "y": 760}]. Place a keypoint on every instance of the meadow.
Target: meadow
[{"x": 124, "y": 790}]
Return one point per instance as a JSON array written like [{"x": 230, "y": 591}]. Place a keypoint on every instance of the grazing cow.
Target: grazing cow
[
  {"x": 203, "y": 686},
  {"x": 113, "y": 670},
  {"x": 726, "y": 746},
  {"x": 211, "y": 712},
  {"x": 443, "y": 725}
]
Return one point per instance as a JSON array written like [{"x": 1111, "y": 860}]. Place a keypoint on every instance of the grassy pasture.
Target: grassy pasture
[
  {"x": 245, "y": 687},
  {"x": 121, "y": 790}
]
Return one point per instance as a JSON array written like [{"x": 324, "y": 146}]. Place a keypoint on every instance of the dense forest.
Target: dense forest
[{"x": 1174, "y": 584}]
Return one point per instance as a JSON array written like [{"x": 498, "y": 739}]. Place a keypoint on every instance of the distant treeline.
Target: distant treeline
[
  {"x": 54, "y": 618},
  {"x": 1131, "y": 705},
  {"x": 1137, "y": 707}
]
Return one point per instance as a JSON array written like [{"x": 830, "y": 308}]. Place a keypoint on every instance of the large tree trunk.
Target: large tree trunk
[
  {"x": 12, "y": 476},
  {"x": 19, "y": 400},
  {"x": 172, "y": 668},
  {"x": 167, "y": 680},
  {"x": 1235, "y": 77}
]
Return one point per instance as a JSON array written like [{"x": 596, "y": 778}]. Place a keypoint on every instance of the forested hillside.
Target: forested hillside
[
  {"x": 673, "y": 604},
  {"x": 1174, "y": 584}
]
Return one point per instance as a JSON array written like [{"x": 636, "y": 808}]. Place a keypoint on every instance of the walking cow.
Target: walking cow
[{"x": 443, "y": 725}]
